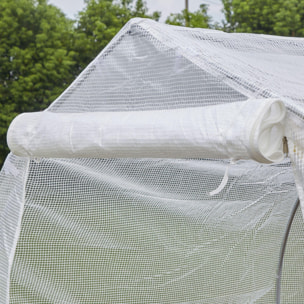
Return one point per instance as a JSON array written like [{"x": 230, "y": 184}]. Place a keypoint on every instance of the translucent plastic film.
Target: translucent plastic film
[
  {"x": 107, "y": 224},
  {"x": 240, "y": 130}
]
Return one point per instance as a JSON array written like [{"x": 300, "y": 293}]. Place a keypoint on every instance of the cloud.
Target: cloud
[{"x": 69, "y": 7}]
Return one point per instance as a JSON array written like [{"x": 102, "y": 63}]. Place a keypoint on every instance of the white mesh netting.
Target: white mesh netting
[{"x": 146, "y": 230}]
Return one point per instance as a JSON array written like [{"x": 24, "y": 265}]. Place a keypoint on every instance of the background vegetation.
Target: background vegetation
[{"x": 42, "y": 51}]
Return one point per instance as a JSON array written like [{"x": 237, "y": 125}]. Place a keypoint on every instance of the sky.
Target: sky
[{"x": 71, "y": 7}]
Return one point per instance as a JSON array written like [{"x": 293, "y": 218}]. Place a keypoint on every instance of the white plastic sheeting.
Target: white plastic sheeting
[
  {"x": 147, "y": 230},
  {"x": 243, "y": 130}
]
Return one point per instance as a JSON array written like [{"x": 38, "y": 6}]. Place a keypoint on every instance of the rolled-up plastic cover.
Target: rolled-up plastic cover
[{"x": 252, "y": 129}]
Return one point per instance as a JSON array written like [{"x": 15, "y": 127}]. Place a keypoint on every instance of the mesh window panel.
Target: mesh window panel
[
  {"x": 147, "y": 231},
  {"x": 292, "y": 289}
]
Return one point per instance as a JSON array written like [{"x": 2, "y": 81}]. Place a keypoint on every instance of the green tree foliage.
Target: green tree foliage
[
  {"x": 36, "y": 58},
  {"x": 289, "y": 20},
  {"x": 198, "y": 18},
  {"x": 100, "y": 21},
  {"x": 276, "y": 17}
]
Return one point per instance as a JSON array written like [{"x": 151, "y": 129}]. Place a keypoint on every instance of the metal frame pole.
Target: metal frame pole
[{"x": 187, "y": 12}]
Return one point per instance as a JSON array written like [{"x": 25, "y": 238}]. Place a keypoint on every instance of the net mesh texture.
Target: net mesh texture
[{"x": 147, "y": 230}]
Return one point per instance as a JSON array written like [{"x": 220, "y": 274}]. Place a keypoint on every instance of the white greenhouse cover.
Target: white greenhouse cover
[
  {"x": 243, "y": 130},
  {"x": 159, "y": 176}
]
